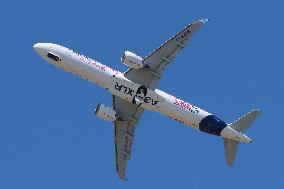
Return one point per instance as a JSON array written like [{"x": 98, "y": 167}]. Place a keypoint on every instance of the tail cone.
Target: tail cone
[{"x": 230, "y": 133}]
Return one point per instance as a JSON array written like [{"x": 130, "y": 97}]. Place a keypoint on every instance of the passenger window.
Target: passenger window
[{"x": 53, "y": 57}]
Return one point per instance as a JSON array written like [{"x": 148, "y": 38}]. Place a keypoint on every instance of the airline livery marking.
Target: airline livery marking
[
  {"x": 141, "y": 93},
  {"x": 186, "y": 105}
]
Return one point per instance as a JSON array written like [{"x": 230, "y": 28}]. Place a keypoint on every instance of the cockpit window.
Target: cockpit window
[{"x": 53, "y": 57}]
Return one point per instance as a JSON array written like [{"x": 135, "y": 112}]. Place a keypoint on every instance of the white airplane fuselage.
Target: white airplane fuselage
[{"x": 154, "y": 100}]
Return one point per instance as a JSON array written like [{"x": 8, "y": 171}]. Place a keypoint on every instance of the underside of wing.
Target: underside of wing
[
  {"x": 124, "y": 132},
  {"x": 157, "y": 61}
]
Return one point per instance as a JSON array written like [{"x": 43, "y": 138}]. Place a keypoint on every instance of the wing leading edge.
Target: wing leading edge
[{"x": 158, "y": 60}]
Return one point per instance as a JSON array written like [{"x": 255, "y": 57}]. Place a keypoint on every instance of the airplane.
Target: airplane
[{"x": 136, "y": 90}]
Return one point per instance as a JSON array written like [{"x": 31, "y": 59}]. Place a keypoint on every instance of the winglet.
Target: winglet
[{"x": 204, "y": 20}]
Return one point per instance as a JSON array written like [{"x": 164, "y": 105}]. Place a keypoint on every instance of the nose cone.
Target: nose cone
[{"x": 40, "y": 48}]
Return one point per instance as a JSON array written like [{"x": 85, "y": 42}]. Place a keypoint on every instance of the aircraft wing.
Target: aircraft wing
[
  {"x": 157, "y": 61},
  {"x": 124, "y": 132}
]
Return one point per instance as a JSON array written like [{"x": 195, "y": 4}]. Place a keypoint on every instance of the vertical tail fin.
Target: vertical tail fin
[{"x": 240, "y": 125}]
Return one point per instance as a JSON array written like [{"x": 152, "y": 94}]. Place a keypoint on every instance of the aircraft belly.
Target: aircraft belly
[
  {"x": 181, "y": 111},
  {"x": 89, "y": 69},
  {"x": 134, "y": 93},
  {"x": 157, "y": 101}
]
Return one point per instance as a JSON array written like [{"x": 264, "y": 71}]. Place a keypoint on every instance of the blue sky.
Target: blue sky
[{"x": 49, "y": 137}]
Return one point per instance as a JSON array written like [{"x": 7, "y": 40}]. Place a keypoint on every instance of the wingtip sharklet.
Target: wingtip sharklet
[{"x": 204, "y": 20}]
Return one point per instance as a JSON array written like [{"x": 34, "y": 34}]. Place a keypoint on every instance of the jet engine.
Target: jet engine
[
  {"x": 105, "y": 112},
  {"x": 132, "y": 60}
]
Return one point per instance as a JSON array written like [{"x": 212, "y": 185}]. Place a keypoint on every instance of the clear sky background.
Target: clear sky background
[{"x": 50, "y": 138}]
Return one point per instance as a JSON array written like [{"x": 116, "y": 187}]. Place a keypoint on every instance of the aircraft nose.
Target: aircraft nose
[{"x": 40, "y": 48}]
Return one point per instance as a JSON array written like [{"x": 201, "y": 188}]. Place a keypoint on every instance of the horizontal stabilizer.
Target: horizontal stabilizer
[
  {"x": 240, "y": 125},
  {"x": 243, "y": 123},
  {"x": 231, "y": 148}
]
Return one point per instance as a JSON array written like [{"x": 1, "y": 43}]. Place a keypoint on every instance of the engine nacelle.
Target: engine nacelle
[
  {"x": 105, "y": 112},
  {"x": 132, "y": 60}
]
